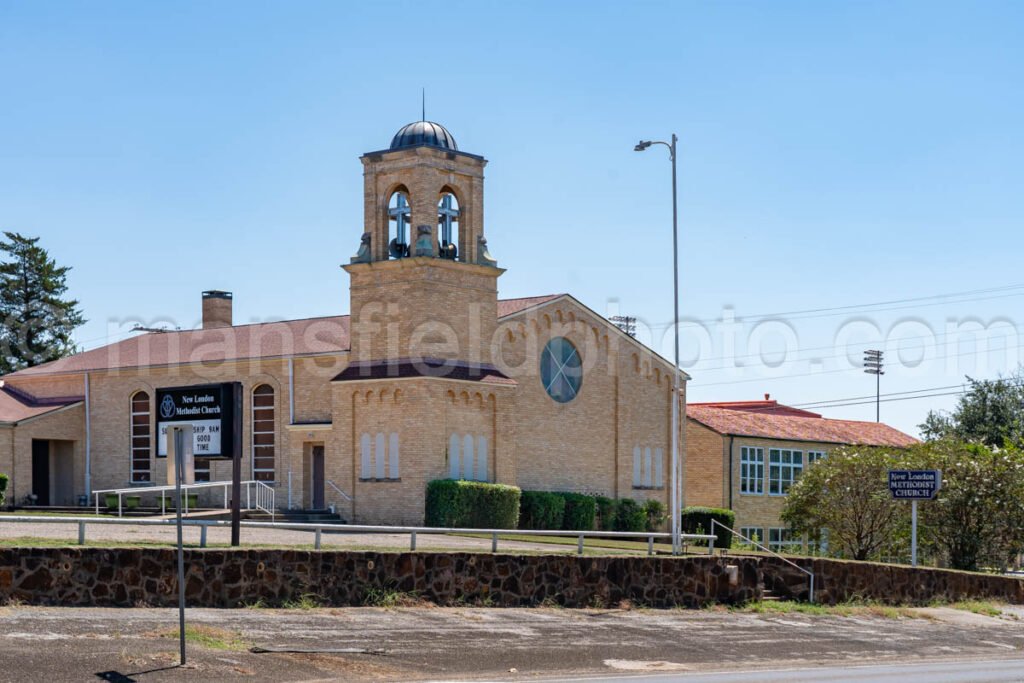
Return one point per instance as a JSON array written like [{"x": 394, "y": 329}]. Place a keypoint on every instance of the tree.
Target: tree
[
  {"x": 977, "y": 518},
  {"x": 37, "y": 319},
  {"x": 847, "y": 493},
  {"x": 991, "y": 412}
]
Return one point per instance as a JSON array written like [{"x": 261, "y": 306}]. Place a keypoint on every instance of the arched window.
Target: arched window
[
  {"x": 448, "y": 226},
  {"x": 399, "y": 217},
  {"x": 141, "y": 435},
  {"x": 263, "y": 433}
]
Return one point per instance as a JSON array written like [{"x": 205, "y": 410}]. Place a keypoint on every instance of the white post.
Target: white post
[
  {"x": 88, "y": 444},
  {"x": 913, "y": 533}
]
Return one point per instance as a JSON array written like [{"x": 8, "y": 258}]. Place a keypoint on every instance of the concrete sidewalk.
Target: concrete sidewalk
[{"x": 58, "y": 644}]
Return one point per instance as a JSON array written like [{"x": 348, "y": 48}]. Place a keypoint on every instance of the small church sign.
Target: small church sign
[
  {"x": 914, "y": 484},
  {"x": 209, "y": 408}
]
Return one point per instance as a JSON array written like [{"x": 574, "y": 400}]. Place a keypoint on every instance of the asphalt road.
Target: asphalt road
[
  {"x": 978, "y": 671},
  {"x": 448, "y": 644}
]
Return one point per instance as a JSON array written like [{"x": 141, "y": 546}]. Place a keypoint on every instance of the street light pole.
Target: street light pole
[{"x": 676, "y": 468}]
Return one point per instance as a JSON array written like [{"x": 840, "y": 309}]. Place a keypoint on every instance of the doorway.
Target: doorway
[
  {"x": 317, "y": 456},
  {"x": 41, "y": 471}
]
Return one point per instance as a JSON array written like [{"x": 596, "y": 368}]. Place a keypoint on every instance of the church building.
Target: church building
[{"x": 430, "y": 376}]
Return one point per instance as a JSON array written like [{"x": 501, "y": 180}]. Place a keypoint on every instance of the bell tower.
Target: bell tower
[{"x": 423, "y": 283}]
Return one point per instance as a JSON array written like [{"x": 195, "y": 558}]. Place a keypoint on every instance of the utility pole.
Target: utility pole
[{"x": 873, "y": 366}]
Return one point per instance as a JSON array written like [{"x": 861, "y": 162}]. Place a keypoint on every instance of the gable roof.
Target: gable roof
[
  {"x": 283, "y": 339},
  {"x": 759, "y": 419},
  {"x": 18, "y": 406}
]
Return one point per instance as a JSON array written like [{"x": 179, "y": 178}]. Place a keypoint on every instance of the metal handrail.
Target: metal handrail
[
  {"x": 141, "y": 490},
  {"x": 359, "y": 528},
  {"x": 264, "y": 498},
  {"x": 711, "y": 550},
  {"x": 335, "y": 487}
]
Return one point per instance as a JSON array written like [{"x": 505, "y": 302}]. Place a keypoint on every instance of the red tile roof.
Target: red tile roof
[
  {"x": 785, "y": 423},
  {"x": 309, "y": 336},
  {"x": 17, "y": 406},
  {"x": 512, "y": 306},
  {"x": 260, "y": 340}
]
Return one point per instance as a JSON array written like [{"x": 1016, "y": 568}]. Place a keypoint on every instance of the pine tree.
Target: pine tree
[{"x": 37, "y": 319}]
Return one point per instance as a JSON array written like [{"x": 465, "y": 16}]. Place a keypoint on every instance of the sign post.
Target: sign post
[
  {"x": 214, "y": 414},
  {"x": 914, "y": 485},
  {"x": 179, "y": 441}
]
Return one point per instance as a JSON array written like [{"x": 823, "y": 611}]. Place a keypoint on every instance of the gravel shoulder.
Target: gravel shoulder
[{"x": 425, "y": 643}]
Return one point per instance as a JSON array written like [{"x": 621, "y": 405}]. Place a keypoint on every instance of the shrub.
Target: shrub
[
  {"x": 580, "y": 511},
  {"x": 541, "y": 510},
  {"x": 629, "y": 516},
  {"x": 605, "y": 513},
  {"x": 3, "y": 488},
  {"x": 472, "y": 504},
  {"x": 695, "y": 518},
  {"x": 654, "y": 510}
]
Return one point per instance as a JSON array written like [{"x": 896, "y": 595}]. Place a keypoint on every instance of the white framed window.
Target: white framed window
[
  {"x": 263, "y": 433},
  {"x": 784, "y": 468},
  {"x": 468, "y": 457},
  {"x": 780, "y": 539},
  {"x": 142, "y": 439},
  {"x": 378, "y": 457},
  {"x": 818, "y": 544},
  {"x": 752, "y": 470},
  {"x": 815, "y": 456},
  {"x": 648, "y": 467},
  {"x": 754, "y": 533}
]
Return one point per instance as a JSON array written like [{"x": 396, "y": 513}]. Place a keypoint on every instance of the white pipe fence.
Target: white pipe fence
[
  {"x": 317, "y": 529},
  {"x": 264, "y": 495}
]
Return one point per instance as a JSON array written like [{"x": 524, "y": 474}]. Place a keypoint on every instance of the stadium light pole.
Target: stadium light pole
[
  {"x": 873, "y": 366},
  {"x": 676, "y": 488}
]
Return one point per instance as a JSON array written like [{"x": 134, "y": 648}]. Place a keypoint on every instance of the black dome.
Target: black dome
[{"x": 423, "y": 133}]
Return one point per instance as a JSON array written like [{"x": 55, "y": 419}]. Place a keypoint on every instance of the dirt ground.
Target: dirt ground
[{"x": 428, "y": 643}]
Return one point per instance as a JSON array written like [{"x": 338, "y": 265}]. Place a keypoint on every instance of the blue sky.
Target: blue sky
[{"x": 831, "y": 154}]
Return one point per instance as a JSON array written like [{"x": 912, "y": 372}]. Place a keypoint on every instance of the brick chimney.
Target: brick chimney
[{"x": 216, "y": 309}]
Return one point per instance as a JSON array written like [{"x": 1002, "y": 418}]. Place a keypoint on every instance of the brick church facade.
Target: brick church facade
[{"x": 430, "y": 376}]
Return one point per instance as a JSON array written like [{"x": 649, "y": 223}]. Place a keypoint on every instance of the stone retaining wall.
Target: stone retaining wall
[
  {"x": 232, "y": 578},
  {"x": 843, "y": 580}
]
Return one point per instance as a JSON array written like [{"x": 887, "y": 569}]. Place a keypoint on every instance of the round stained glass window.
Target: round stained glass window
[{"x": 561, "y": 370}]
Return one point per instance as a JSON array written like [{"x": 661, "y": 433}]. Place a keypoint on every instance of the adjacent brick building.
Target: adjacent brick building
[
  {"x": 744, "y": 456},
  {"x": 430, "y": 376}
]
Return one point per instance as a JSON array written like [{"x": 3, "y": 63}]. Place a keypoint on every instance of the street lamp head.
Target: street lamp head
[{"x": 642, "y": 145}]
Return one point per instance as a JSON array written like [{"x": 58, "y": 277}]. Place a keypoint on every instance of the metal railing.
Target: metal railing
[
  {"x": 264, "y": 495},
  {"x": 318, "y": 530},
  {"x": 810, "y": 574},
  {"x": 340, "y": 492}
]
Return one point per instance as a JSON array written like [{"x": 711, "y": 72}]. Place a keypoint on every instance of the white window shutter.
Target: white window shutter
[
  {"x": 467, "y": 457},
  {"x": 393, "y": 456},
  {"x": 481, "y": 459},
  {"x": 453, "y": 457},
  {"x": 659, "y": 467},
  {"x": 379, "y": 456},
  {"x": 636, "y": 466},
  {"x": 647, "y": 466},
  {"x": 365, "y": 469}
]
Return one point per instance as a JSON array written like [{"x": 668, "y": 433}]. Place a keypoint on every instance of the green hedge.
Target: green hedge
[
  {"x": 3, "y": 488},
  {"x": 629, "y": 516},
  {"x": 654, "y": 510},
  {"x": 698, "y": 520},
  {"x": 541, "y": 510},
  {"x": 605, "y": 513},
  {"x": 471, "y": 504},
  {"x": 580, "y": 512}
]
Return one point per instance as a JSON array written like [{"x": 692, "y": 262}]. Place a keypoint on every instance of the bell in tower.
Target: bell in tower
[{"x": 423, "y": 199}]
